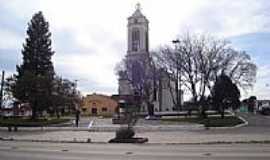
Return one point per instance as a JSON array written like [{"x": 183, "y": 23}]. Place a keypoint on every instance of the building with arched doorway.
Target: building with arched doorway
[{"x": 98, "y": 105}]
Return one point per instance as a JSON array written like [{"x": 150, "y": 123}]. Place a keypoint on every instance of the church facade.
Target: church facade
[{"x": 138, "y": 51}]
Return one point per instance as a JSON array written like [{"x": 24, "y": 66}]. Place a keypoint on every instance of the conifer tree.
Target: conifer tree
[
  {"x": 225, "y": 94},
  {"x": 34, "y": 78}
]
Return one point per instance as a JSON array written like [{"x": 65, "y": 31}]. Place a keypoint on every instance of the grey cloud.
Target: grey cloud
[
  {"x": 207, "y": 19},
  {"x": 86, "y": 84},
  {"x": 119, "y": 47},
  {"x": 92, "y": 86},
  {"x": 65, "y": 43},
  {"x": 217, "y": 16},
  {"x": 10, "y": 21},
  {"x": 9, "y": 58}
]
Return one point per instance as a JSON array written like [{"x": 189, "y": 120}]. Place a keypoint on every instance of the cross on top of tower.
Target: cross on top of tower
[
  {"x": 138, "y": 6},
  {"x": 137, "y": 16},
  {"x": 137, "y": 12}
]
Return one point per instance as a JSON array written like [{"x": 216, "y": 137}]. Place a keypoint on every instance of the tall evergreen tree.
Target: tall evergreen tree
[
  {"x": 225, "y": 94},
  {"x": 34, "y": 80}
]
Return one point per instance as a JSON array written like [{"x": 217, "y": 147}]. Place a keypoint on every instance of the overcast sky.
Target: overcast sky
[{"x": 89, "y": 36}]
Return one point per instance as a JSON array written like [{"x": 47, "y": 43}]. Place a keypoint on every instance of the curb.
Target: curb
[
  {"x": 237, "y": 126},
  {"x": 114, "y": 128},
  {"x": 185, "y": 143},
  {"x": 241, "y": 125}
]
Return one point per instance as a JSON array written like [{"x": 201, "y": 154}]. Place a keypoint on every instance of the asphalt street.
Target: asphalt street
[
  {"x": 67, "y": 151},
  {"x": 256, "y": 120}
]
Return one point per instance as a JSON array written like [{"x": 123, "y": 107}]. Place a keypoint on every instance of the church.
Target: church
[{"x": 138, "y": 51}]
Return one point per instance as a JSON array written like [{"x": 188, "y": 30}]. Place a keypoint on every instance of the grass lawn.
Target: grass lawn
[
  {"x": 228, "y": 121},
  {"x": 27, "y": 122}
]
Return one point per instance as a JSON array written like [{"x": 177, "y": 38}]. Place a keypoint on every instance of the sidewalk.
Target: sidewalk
[
  {"x": 105, "y": 125},
  {"x": 113, "y": 128},
  {"x": 187, "y": 137},
  {"x": 102, "y": 132}
]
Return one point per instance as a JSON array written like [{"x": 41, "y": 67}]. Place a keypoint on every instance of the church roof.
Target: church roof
[{"x": 137, "y": 13}]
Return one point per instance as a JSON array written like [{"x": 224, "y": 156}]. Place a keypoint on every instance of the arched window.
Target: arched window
[{"x": 135, "y": 39}]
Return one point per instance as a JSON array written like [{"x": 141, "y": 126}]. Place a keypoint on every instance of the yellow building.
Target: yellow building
[{"x": 97, "y": 104}]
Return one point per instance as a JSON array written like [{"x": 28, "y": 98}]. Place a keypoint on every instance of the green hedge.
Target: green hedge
[
  {"x": 26, "y": 122},
  {"x": 228, "y": 121}
]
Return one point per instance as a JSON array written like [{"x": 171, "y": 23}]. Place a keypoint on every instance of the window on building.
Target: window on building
[
  {"x": 84, "y": 109},
  {"x": 135, "y": 39},
  {"x": 104, "y": 109}
]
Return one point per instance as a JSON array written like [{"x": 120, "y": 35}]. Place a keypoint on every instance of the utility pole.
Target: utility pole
[
  {"x": 2, "y": 88},
  {"x": 178, "y": 77}
]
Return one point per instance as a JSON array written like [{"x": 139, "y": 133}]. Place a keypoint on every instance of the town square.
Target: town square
[{"x": 134, "y": 79}]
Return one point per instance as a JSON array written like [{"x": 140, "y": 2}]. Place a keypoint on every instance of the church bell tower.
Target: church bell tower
[
  {"x": 138, "y": 42},
  {"x": 137, "y": 48},
  {"x": 140, "y": 67}
]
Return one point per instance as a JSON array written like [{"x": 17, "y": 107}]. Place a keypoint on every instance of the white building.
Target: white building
[{"x": 138, "y": 51}]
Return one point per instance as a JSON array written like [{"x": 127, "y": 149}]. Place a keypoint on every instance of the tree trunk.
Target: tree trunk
[
  {"x": 34, "y": 111},
  {"x": 57, "y": 113},
  {"x": 176, "y": 91},
  {"x": 194, "y": 94},
  {"x": 204, "y": 115},
  {"x": 150, "y": 108},
  {"x": 222, "y": 111}
]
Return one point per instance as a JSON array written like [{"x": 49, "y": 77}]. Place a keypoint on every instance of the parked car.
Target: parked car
[{"x": 264, "y": 109}]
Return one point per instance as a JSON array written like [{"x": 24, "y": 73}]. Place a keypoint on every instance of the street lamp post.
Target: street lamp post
[{"x": 178, "y": 77}]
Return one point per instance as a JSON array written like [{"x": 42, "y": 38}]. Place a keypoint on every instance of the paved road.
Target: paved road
[
  {"x": 256, "y": 120},
  {"x": 67, "y": 151},
  {"x": 205, "y": 136}
]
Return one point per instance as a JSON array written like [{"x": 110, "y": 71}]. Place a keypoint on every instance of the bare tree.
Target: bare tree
[
  {"x": 141, "y": 75},
  {"x": 65, "y": 95},
  {"x": 202, "y": 58}
]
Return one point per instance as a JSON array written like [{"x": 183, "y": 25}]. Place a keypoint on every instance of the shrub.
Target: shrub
[{"x": 125, "y": 133}]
